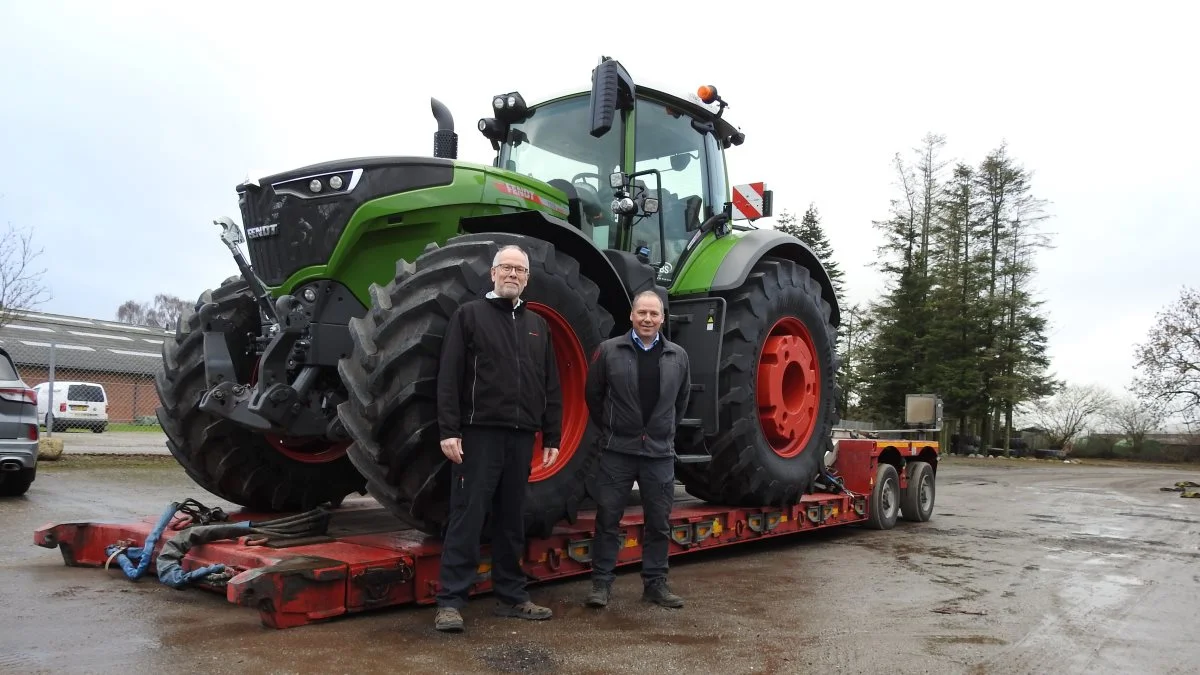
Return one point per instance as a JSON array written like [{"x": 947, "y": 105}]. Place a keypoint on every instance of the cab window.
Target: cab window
[{"x": 668, "y": 144}]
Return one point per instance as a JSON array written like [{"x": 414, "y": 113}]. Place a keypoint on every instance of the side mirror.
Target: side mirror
[
  {"x": 680, "y": 162},
  {"x": 612, "y": 90}
]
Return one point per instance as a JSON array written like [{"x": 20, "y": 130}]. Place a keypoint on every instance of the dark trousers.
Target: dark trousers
[
  {"x": 614, "y": 481},
  {"x": 492, "y": 477}
]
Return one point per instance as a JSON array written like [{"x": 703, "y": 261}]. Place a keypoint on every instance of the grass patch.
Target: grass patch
[
  {"x": 69, "y": 462},
  {"x": 112, "y": 426},
  {"x": 147, "y": 428}
]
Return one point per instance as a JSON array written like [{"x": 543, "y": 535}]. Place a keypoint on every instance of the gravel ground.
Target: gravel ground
[{"x": 1026, "y": 567}]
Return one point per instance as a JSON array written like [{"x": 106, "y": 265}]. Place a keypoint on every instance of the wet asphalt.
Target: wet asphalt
[{"x": 1026, "y": 567}]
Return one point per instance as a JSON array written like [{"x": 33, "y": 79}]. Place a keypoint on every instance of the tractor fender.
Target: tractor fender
[
  {"x": 619, "y": 275},
  {"x": 757, "y": 244}
]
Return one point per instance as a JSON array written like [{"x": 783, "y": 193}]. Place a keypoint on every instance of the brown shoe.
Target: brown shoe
[
  {"x": 448, "y": 620},
  {"x": 525, "y": 610}
]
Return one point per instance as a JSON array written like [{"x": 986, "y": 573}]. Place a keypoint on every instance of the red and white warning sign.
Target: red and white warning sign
[{"x": 748, "y": 201}]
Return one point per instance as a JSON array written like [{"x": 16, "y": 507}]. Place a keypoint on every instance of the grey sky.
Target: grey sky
[{"x": 134, "y": 121}]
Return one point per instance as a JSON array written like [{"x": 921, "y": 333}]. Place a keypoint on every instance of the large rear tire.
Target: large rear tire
[
  {"x": 778, "y": 392},
  {"x": 391, "y": 377},
  {"x": 227, "y": 459}
]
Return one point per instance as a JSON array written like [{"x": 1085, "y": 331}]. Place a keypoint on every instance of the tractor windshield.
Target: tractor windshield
[
  {"x": 553, "y": 145},
  {"x": 688, "y": 177}
]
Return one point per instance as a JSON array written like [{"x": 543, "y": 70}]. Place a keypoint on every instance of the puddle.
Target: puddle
[{"x": 966, "y": 640}]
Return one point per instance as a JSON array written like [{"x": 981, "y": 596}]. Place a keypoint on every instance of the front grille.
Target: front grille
[{"x": 288, "y": 226}]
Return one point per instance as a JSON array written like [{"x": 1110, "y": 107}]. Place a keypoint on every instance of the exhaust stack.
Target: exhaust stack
[{"x": 445, "y": 141}]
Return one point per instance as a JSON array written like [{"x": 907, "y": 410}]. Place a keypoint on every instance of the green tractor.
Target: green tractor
[{"x": 312, "y": 375}]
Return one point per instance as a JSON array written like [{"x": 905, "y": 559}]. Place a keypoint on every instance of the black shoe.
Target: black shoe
[
  {"x": 599, "y": 595},
  {"x": 661, "y": 595}
]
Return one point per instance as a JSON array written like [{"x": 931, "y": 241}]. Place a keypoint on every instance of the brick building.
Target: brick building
[{"x": 124, "y": 359}]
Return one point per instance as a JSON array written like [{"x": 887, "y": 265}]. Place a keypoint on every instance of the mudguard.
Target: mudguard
[{"x": 756, "y": 244}]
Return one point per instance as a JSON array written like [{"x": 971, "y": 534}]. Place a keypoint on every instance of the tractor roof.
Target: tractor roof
[{"x": 690, "y": 104}]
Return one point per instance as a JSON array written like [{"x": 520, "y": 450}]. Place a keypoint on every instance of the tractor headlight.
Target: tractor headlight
[
  {"x": 650, "y": 205},
  {"x": 623, "y": 206},
  {"x": 509, "y": 107},
  {"x": 616, "y": 181}
]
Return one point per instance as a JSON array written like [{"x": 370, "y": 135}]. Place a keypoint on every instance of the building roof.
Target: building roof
[{"x": 82, "y": 343}]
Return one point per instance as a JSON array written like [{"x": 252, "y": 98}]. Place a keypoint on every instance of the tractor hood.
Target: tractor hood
[{"x": 295, "y": 219}]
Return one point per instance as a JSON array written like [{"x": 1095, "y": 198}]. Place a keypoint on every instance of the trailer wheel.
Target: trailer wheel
[
  {"x": 916, "y": 504},
  {"x": 227, "y": 459},
  {"x": 391, "y": 377},
  {"x": 885, "y": 498},
  {"x": 777, "y": 400}
]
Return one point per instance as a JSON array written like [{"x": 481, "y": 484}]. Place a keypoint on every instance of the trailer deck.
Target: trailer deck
[{"x": 367, "y": 560}]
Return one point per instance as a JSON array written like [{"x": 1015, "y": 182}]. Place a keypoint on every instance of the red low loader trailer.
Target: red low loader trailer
[{"x": 367, "y": 560}]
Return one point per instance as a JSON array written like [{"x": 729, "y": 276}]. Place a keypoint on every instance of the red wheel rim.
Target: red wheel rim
[
  {"x": 789, "y": 387},
  {"x": 572, "y": 374},
  {"x": 305, "y": 450}
]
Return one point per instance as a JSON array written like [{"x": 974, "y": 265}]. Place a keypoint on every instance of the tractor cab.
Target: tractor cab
[{"x": 642, "y": 169}]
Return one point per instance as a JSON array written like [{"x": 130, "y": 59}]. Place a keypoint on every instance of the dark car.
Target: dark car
[{"x": 18, "y": 430}]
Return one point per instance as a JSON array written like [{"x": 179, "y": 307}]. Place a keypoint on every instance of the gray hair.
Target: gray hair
[
  {"x": 510, "y": 247},
  {"x": 661, "y": 305}
]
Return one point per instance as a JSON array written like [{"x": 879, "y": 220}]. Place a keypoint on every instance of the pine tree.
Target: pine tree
[
  {"x": 855, "y": 336},
  {"x": 896, "y": 365},
  {"x": 1020, "y": 350},
  {"x": 1014, "y": 361},
  {"x": 955, "y": 324},
  {"x": 809, "y": 231}
]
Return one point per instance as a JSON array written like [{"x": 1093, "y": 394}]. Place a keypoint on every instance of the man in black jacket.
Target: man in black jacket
[
  {"x": 497, "y": 386},
  {"x": 637, "y": 390}
]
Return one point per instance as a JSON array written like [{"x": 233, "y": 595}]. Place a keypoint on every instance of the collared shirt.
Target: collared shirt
[
  {"x": 637, "y": 340},
  {"x": 492, "y": 295}
]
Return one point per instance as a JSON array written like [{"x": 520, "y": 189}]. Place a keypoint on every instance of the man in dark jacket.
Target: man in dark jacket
[
  {"x": 637, "y": 390},
  {"x": 497, "y": 386}
]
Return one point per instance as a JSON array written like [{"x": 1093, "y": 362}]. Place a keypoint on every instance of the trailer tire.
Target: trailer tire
[
  {"x": 391, "y": 377},
  {"x": 916, "y": 502},
  {"x": 777, "y": 326},
  {"x": 230, "y": 461},
  {"x": 884, "y": 506}
]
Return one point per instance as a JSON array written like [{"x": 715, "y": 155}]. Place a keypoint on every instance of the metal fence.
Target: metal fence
[{"x": 89, "y": 374}]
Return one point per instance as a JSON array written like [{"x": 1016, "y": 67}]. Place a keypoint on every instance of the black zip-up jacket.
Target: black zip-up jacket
[
  {"x": 615, "y": 405},
  {"x": 498, "y": 370}
]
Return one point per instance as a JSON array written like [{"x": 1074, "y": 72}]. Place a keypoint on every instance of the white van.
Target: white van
[{"x": 76, "y": 404}]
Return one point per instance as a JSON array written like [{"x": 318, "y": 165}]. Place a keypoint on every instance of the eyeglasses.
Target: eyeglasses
[{"x": 508, "y": 269}]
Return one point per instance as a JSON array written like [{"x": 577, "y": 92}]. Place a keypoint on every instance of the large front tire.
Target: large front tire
[
  {"x": 229, "y": 460},
  {"x": 778, "y": 392},
  {"x": 391, "y": 377}
]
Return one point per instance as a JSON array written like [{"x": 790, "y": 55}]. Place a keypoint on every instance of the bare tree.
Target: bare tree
[
  {"x": 164, "y": 311},
  {"x": 1069, "y": 412},
  {"x": 1169, "y": 360},
  {"x": 20, "y": 281},
  {"x": 1136, "y": 418},
  {"x": 170, "y": 308}
]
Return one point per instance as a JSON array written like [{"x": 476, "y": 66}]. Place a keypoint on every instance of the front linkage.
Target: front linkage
[{"x": 270, "y": 405}]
